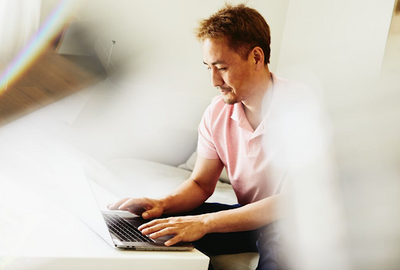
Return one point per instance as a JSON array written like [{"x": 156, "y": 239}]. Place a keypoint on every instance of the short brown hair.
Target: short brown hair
[{"x": 243, "y": 27}]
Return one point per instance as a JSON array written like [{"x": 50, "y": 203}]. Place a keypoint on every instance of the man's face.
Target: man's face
[{"x": 229, "y": 71}]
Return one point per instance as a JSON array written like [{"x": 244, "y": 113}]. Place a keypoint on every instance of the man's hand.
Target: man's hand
[
  {"x": 185, "y": 229},
  {"x": 147, "y": 208}
]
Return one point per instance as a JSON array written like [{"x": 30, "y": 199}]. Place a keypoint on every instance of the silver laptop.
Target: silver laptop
[
  {"x": 122, "y": 228},
  {"x": 63, "y": 181},
  {"x": 125, "y": 235}
]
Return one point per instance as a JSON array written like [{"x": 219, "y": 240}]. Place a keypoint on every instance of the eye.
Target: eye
[{"x": 222, "y": 69}]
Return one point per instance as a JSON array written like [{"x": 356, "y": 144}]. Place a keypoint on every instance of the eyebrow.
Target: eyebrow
[{"x": 215, "y": 63}]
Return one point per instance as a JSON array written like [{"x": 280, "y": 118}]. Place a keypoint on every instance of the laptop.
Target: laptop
[
  {"x": 125, "y": 235},
  {"x": 122, "y": 227},
  {"x": 62, "y": 180}
]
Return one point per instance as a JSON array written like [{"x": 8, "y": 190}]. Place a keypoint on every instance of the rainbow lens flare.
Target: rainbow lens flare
[{"x": 30, "y": 52}]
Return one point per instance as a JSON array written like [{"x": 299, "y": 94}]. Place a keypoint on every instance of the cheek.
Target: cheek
[{"x": 235, "y": 80}]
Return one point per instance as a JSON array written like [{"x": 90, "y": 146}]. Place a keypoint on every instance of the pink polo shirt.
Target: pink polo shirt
[{"x": 250, "y": 161}]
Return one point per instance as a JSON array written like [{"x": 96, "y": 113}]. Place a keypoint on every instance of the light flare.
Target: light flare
[{"x": 38, "y": 43}]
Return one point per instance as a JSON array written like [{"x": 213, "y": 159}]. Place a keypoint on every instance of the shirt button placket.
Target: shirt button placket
[{"x": 251, "y": 148}]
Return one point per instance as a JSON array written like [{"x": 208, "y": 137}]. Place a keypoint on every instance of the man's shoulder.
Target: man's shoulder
[
  {"x": 292, "y": 93},
  {"x": 294, "y": 104},
  {"x": 291, "y": 88}
]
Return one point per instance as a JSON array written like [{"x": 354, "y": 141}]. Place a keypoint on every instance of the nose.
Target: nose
[{"x": 216, "y": 78}]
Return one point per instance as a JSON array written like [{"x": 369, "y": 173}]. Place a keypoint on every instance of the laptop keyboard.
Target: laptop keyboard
[{"x": 124, "y": 230}]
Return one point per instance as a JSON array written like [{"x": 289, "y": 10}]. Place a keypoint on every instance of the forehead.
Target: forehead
[{"x": 217, "y": 51}]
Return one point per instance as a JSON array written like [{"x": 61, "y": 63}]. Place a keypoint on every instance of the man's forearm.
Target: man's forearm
[
  {"x": 248, "y": 217},
  {"x": 188, "y": 196}
]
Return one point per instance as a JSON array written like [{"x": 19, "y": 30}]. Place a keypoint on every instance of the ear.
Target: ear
[{"x": 258, "y": 57}]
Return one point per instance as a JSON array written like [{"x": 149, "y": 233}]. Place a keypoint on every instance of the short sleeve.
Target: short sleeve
[{"x": 205, "y": 145}]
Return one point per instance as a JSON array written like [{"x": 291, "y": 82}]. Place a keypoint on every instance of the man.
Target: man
[{"x": 236, "y": 50}]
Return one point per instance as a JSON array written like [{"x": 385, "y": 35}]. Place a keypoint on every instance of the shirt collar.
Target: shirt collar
[{"x": 239, "y": 116}]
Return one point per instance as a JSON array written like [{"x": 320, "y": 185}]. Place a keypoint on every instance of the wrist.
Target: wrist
[
  {"x": 165, "y": 204},
  {"x": 209, "y": 222}
]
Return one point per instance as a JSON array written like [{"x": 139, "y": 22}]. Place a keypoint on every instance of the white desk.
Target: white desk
[{"x": 36, "y": 234}]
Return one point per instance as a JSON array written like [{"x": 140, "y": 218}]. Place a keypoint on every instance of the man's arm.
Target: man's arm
[
  {"x": 251, "y": 216},
  {"x": 192, "y": 228},
  {"x": 197, "y": 189},
  {"x": 188, "y": 196}
]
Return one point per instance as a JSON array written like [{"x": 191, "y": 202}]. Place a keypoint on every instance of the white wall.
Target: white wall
[
  {"x": 150, "y": 35},
  {"x": 159, "y": 87},
  {"x": 19, "y": 22},
  {"x": 337, "y": 47}
]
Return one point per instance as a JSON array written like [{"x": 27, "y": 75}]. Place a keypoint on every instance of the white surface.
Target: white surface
[
  {"x": 141, "y": 178},
  {"x": 22, "y": 20},
  {"x": 39, "y": 210},
  {"x": 36, "y": 234},
  {"x": 337, "y": 48}
]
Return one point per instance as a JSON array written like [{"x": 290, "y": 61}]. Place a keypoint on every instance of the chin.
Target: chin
[{"x": 229, "y": 100}]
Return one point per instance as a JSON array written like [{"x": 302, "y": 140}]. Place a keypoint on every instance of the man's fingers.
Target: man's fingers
[
  {"x": 163, "y": 232},
  {"x": 173, "y": 240},
  {"x": 148, "y": 224},
  {"x": 145, "y": 207},
  {"x": 131, "y": 203},
  {"x": 116, "y": 205},
  {"x": 152, "y": 213},
  {"x": 186, "y": 229},
  {"x": 151, "y": 229},
  {"x": 154, "y": 223},
  {"x": 137, "y": 206}
]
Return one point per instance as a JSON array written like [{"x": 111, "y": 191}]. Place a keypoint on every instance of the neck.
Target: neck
[{"x": 253, "y": 106}]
